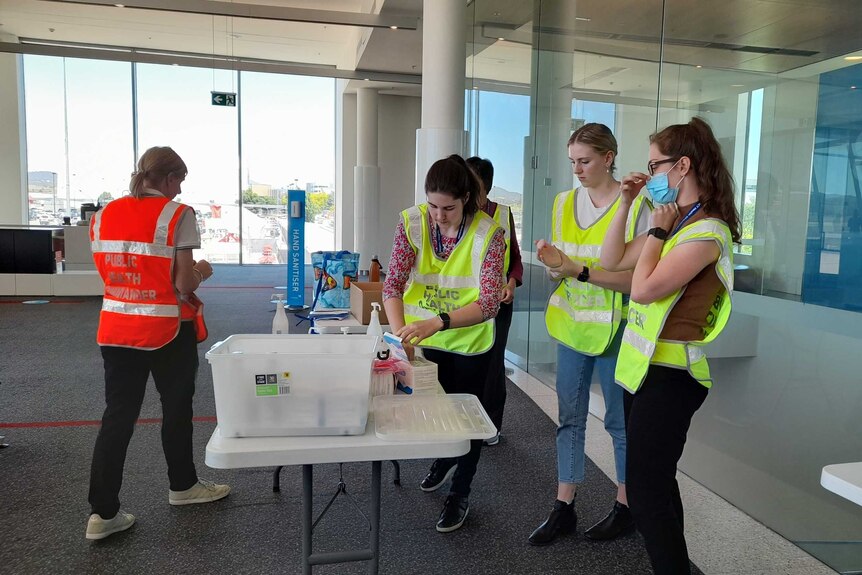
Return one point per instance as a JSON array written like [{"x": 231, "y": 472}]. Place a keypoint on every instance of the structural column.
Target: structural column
[
  {"x": 366, "y": 177},
  {"x": 443, "y": 67},
  {"x": 13, "y": 142}
]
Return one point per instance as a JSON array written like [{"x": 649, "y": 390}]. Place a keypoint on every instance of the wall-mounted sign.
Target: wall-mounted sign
[{"x": 296, "y": 248}]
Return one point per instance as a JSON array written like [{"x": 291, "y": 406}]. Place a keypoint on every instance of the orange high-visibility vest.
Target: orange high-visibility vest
[{"x": 134, "y": 245}]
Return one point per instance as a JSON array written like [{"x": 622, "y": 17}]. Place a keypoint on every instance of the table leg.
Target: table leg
[
  {"x": 375, "y": 517},
  {"x": 307, "y": 482}
]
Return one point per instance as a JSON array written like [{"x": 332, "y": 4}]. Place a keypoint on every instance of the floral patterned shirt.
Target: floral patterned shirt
[{"x": 403, "y": 259}]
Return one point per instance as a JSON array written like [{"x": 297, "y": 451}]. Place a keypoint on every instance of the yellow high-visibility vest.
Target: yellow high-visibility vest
[
  {"x": 501, "y": 216},
  {"x": 438, "y": 285},
  {"x": 582, "y": 315},
  {"x": 641, "y": 345}
]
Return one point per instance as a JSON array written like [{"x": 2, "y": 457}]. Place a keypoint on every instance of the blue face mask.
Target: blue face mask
[{"x": 660, "y": 190}]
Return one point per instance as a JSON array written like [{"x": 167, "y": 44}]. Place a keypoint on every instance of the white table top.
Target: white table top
[
  {"x": 238, "y": 452},
  {"x": 844, "y": 479}
]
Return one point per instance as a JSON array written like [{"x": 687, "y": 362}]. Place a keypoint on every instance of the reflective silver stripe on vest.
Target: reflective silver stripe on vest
[
  {"x": 695, "y": 353},
  {"x": 416, "y": 311},
  {"x": 414, "y": 221},
  {"x": 504, "y": 221},
  {"x": 478, "y": 255},
  {"x": 582, "y": 251},
  {"x": 97, "y": 224},
  {"x": 639, "y": 342},
  {"x": 558, "y": 214},
  {"x": 582, "y": 316},
  {"x": 151, "y": 310},
  {"x": 455, "y": 282},
  {"x": 163, "y": 223},
  {"x": 710, "y": 225},
  {"x": 139, "y": 248}
]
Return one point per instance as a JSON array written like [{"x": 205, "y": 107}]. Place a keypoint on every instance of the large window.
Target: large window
[
  {"x": 288, "y": 136},
  {"x": 79, "y": 134},
  {"x": 81, "y": 146}
]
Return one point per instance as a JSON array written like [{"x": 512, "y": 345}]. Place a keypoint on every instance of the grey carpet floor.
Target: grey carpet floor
[{"x": 51, "y": 371}]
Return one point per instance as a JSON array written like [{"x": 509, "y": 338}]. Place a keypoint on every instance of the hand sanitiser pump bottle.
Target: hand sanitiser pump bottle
[
  {"x": 374, "y": 327},
  {"x": 280, "y": 325}
]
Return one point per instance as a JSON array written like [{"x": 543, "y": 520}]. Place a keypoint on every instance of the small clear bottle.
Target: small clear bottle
[{"x": 280, "y": 324}]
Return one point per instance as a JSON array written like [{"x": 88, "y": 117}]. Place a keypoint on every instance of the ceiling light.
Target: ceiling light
[
  {"x": 120, "y": 5},
  {"x": 853, "y": 58},
  {"x": 698, "y": 66},
  {"x": 583, "y": 19},
  {"x": 852, "y": 87},
  {"x": 737, "y": 85},
  {"x": 393, "y": 27},
  {"x": 367, "y": 79},
  {"x": 500, "y": 39}
]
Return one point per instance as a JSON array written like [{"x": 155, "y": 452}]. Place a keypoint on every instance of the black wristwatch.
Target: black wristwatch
[
  {"x": 584, "y": 276},
  {"x": 660, "y": 233},
  {"x": 444, "y": 317}
]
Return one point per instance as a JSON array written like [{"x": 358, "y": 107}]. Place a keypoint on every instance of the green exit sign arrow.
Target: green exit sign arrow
[{"x": 223, "y": 98}]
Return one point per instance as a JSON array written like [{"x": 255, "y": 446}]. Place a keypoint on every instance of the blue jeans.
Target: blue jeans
[{"x": 574, "y": 374}]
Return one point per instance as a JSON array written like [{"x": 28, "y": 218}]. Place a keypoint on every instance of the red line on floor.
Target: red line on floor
[{"x": 86, "y": 422}]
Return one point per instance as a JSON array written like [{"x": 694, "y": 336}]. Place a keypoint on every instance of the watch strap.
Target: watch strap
[
  {"x": 659, "y": 233},
  {"x": 444, "y": 317},
  {"x": 584, "y": 276}
]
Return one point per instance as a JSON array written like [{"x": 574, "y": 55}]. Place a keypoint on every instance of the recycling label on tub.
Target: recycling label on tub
[{"x": 272, "y": 384}]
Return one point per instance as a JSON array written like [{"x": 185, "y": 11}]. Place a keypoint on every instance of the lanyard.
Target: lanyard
[
  {"x": 438, "y": 237},
  {"x": 690, "y": 213}
]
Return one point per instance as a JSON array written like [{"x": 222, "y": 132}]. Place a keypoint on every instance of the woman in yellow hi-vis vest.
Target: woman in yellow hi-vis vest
[
  {"x": 584, "y": 315},
  {"x": 680, "y": 300},
  {"x": 442, "y": 292}
]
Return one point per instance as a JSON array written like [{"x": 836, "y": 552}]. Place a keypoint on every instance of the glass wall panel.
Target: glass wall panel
[
  {"x": 79, "y": 134},
  {"x": 499, "y": 64},
  {"x": 592, "y": 64},
  {"x": 783, "y": 105},
  {"x": 174, "y": 109},
  {"x": 288, "y": 142}
]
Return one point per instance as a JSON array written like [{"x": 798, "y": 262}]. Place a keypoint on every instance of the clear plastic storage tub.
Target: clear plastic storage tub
[{"x": 277, "y": 385}]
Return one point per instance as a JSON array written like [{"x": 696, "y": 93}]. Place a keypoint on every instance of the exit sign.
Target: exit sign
[{"x": 223, "y": 98}]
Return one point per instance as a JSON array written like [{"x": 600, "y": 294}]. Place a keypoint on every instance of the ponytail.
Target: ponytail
[
  {"x": 697, "y": 142},
  {"x": 155, "y": 165}
]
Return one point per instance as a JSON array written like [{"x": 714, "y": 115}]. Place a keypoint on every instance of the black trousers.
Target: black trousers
[
  {"x": 462, "y": 374},
  {"x": 495, "y": 383},
  {"x": 657, "y": 421},
  {"x": 174, "y": 368}
]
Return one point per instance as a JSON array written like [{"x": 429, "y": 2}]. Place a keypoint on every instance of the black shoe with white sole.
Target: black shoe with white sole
[
  {"x": 454, "y": 513},
  {"x": 441, "y": 471}
]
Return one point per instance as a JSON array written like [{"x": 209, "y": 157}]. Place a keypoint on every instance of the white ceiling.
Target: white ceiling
[{"x": 614, "y": 42}]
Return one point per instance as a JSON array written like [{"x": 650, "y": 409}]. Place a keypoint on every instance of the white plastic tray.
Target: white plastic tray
[{"x": 423, "y": 417}]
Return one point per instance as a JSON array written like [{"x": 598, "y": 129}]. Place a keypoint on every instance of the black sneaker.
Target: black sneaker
[
  {"x": 438, "y": 475},
  {"x": 454, "y": 513},
  {"x": 617, "y": 522}
]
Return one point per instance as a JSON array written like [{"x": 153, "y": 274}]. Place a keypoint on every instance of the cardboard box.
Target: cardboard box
[{"x": 361, "y": 296}]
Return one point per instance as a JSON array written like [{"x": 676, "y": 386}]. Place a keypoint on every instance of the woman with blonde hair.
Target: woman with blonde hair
[
  {"x": 150, "y": 323},
  {"x": 585, "y": 315}
]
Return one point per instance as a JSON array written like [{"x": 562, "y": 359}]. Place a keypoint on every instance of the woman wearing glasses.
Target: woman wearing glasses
[
  {"x": 680, "y": 301},
  {"x": 584, "y": 315}
]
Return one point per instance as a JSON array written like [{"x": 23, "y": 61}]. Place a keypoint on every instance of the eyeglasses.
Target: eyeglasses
[{"x": 653, "y": 165}]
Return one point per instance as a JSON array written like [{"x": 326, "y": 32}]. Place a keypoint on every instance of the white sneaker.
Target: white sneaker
[
  {"x": 201, "y": 492},
  {"x": 98, "y": 528}
]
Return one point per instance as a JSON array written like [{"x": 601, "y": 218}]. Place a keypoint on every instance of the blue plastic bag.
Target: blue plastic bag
[{"x": 333, "y": 272}]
